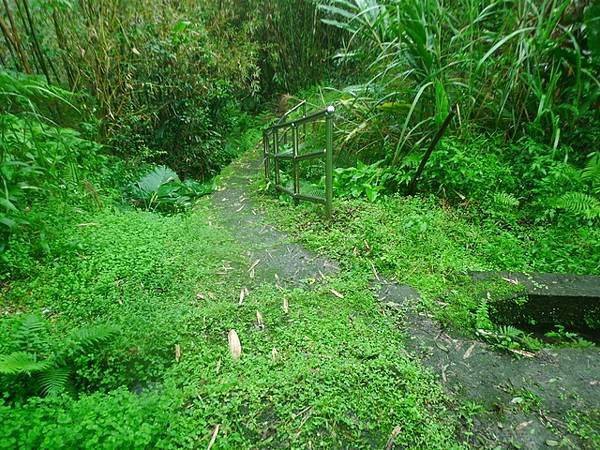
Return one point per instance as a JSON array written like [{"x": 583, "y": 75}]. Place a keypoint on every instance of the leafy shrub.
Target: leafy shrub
[
  {"x": 161, "y": 189},
  {"x": 182, "y": 126},
  {"x": 466, "y": 169},
  {"x": 532, "y": 182},
  {"x": 362, "y": 180}
]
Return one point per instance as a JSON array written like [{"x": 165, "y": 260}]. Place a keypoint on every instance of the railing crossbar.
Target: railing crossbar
[
  {"x": 302, "y": 105},
  {"x": 302, "y": 120},
  {"x": 303, "y": 157}
]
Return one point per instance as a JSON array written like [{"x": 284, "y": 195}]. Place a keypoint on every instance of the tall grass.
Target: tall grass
[
  {"x": 522, "y": 66},
  {"x": 38, "y": 159},
  {"x": 170, "y": 78}
]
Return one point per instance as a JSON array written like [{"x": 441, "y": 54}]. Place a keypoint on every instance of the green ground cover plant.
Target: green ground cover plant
[
  {"x": 120, "y": 278},
  {"x": 301, "y": 379}
]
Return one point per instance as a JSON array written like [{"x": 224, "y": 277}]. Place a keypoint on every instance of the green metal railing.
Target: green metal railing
[{"x": 276, "y": 136}]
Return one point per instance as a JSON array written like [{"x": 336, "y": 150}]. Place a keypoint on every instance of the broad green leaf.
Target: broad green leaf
[{"x": 7, "y": 204}]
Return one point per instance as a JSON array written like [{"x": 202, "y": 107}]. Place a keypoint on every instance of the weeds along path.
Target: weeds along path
[{"x": 548, "y": 400}]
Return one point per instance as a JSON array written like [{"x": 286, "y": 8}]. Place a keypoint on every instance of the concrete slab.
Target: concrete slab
[{"x": 552, "y": 298}]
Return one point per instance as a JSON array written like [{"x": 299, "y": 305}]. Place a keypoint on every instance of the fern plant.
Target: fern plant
[
  {"x": 482, "y": 316},
  {"x": 47, "y": 363},
  {"x": 505, "y": 200},
  {"x": 591, "y": 173},
  {"x": 580, "y": 204}
]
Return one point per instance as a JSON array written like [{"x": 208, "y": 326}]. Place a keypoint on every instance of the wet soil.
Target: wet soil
[
  {"x": 279, "y": 260},
  {"x": 526, "y": 401}
]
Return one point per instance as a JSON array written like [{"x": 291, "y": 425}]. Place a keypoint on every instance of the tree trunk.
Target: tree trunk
[
  {"x": 36, "y": 43},
  {"x": 15, "y": 39},
  {"x": 9, "y": 42},
  {"x": 37, "y": 57}
]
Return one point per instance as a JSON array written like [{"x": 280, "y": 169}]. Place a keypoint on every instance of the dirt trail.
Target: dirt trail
[
  {"x": 525, "y": 403},
  {"x": 280, "y": 260}
]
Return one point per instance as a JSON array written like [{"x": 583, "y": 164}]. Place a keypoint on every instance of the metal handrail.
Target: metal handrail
[
  {"x": 302, "y": 120},
  {"x": 302, "y": 104},
  {"x": 271, "y": 141}
]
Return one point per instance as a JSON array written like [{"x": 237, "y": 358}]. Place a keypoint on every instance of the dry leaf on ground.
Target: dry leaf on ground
[
  {"x": 336, "y": 293},
  {"x": 235, "y": 347},
  {"x": 213, "y": 438},
  {"x": 395, "y": 432},
  {"x": 469, "y": 351}
]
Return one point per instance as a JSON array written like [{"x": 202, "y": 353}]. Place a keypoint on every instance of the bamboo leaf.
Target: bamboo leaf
[
  {"x": 235, "y": 347},
  {"x": 501, "y": 42}
]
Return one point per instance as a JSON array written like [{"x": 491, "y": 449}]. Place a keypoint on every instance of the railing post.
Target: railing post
[
  {"x": 303, "y": 116},
  {"x": 275, "y": 152},
  {"x": 266, "y": 154},
  {"x": 295, "y": 163},
  {"x": 329, "y": 163}
]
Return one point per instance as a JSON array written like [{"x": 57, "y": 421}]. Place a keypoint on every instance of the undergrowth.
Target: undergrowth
[
  {"x": 432, "y": 242},
  {"x": 119, "y": 285},
  {"x": 328, "y": 373}
]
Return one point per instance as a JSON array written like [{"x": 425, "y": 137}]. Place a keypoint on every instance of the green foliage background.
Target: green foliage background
[{"x": 115, "y": 118}]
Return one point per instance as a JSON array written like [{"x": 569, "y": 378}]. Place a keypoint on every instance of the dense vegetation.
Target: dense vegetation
[{"x": 116, "y": 117}]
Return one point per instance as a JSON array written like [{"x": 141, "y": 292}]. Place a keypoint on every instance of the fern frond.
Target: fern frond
[
  {"x": 482, "y": 316},
  {"x": 580, "y": 204},
  {"x": 510, "y": 331},
  {"x": 92, "y": 336},
  {"x": 31, "y": 328},
  {"x": 505, "y": 200},
  {"x": 591, "y": 172},
  {"x": 32, "y": 335},
  {"x": 22, "y": 362},
  {"x": 54, "y": 381}
]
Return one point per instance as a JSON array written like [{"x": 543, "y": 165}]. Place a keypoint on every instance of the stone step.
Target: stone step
[{"x": 552, "y": 298}]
